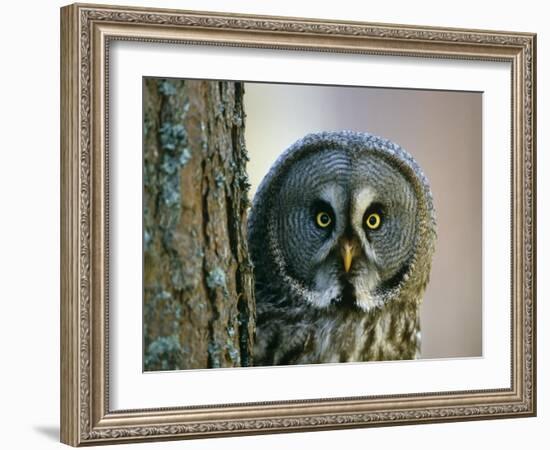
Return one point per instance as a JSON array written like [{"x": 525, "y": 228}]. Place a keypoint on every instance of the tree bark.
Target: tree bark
[{"x": 198, "y": 307}]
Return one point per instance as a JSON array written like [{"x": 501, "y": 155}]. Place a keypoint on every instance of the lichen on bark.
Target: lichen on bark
[{"x": 198, "y": 303}]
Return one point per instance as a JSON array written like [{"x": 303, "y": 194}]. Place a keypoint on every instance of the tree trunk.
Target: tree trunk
[{"x": 198, "y": 287}]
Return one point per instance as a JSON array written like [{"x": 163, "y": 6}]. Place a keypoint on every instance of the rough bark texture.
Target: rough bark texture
[{"x": 198, "y": 287}]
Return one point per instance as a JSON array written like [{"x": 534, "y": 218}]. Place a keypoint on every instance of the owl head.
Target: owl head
[{"x": 343, "y": 220}]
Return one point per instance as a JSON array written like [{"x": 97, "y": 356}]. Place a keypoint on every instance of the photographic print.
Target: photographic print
[
  {"x": 341, "y": 211},
  {"x": 291, "y": 224}
]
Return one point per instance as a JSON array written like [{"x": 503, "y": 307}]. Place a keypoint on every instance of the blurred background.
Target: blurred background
[{"x": 442, "y": 130}]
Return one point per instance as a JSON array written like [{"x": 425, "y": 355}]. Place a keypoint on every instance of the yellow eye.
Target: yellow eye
[
  {"x": 373, "y": 221},
  {"x": 323, "y": 219}
]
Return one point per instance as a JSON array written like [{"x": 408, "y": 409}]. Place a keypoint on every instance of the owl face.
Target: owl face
[{"x": 343, "y": 227}]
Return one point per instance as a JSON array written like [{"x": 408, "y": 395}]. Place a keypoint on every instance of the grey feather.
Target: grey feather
[{"x": 309, "y": 308}]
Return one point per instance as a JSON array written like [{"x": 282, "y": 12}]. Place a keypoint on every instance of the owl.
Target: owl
[{"x": 341, "y": 234}]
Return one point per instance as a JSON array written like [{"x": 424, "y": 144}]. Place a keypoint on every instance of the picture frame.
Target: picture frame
[{"x": 87, "y": 33}]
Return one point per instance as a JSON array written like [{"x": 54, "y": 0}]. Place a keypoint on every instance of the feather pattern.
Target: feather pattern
[{"x": 310, "y": 308}]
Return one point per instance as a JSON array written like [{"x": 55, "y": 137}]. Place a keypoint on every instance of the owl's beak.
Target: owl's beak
[{"x": 347, "y": 255}]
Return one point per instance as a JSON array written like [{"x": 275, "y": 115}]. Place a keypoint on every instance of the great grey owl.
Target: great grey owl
[{"x": 341, "y": 234}]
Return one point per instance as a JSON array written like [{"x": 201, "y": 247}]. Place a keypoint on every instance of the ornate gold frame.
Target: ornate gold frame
[{"x": 86, "y": 31}]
